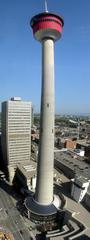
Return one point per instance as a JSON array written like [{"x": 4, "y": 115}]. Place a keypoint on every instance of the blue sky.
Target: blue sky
[{"x": 20, "y": 54}]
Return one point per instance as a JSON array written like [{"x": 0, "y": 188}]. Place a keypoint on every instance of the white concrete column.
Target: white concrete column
[{"x": 44, "y": 187}]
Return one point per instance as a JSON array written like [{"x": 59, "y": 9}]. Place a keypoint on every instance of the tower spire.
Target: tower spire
[{"x": 46, "y": 7}]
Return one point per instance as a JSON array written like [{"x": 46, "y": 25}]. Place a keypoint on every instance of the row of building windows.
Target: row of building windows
[
  {"x": 19, "y": 117},
  {"x": 19, "y": 142},
  {"x": 16, "y": 160},
  {"x": 19, "y": 156},
  {"x": 11, "y": 147},
  {"x": 13, "y": 110},
  {"x": 20, "y": 104},
  {"x": 22, "y": 140},
  {"x": 24, "y": 130},
  {"x": 14, "y": 163},
  {"x": 18, "y": 114},
  {"x": 19, "y": 123},
  {"x": 19, "y": 136},
  {"x": 22, "y": 133},
  {"x": 19, "y": 152},
  {"x": 19, "y": 108},
  {"x": 19, "y": 120},
  {"x": 18, "y": 126},
  {"x": 19, "y": 148},
  {"x": 22, "y": 126}
]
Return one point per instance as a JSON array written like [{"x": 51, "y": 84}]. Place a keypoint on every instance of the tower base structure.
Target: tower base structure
[{"x": 42, "y": 214}]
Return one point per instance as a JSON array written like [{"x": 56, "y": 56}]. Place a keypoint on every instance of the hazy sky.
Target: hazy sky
[{"x": 20, "y": 54}]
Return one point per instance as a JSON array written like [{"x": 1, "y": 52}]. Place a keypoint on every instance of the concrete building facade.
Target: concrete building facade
[{"x": 16, "y": 133}]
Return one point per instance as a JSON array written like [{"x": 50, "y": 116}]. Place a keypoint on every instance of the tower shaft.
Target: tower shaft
[
  {"x": 47, "y": 28},
  {"x": 44, "y": 188}
]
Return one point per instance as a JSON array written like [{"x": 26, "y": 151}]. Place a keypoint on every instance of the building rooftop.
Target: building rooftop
[
  {"x": 81, "y": 181},
  {"x": 28, "y": 170},
  {"x": 16, "y": 99},
  {"x": 76, "y": 164},
  {"x": 84, "y": 143}
]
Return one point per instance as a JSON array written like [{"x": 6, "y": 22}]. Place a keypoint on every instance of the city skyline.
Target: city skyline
[{"x": 20, "y": 70}]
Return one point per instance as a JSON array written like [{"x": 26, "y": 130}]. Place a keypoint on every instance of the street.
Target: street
[{"x": 10, "y": 217}]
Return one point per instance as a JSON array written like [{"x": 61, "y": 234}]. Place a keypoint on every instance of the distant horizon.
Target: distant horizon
[
  {"x": 68, "y": 114},
  {"x": 56, "y": 113}
]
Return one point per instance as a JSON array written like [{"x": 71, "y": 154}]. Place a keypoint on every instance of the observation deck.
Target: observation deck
[{"x": 47, "y": 25}]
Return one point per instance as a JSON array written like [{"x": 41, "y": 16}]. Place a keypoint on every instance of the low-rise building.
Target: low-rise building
[
  {"x": 79, "y": 188},
  {"x": 70, "y": 144},
  {"x": 84, "y": 145},
  {"x": 26, "y": 176}
]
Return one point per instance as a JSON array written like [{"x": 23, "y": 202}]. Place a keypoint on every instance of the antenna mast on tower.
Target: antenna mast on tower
[{"x": 46, "y": 7}]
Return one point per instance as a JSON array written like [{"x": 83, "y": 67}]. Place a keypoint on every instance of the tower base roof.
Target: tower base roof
[
  {"x": 43, "y": 210},
  {"x": 40, "y": 214}
]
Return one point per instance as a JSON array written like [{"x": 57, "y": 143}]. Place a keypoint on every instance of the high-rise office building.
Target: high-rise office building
[{"x": 16, "y": 133}]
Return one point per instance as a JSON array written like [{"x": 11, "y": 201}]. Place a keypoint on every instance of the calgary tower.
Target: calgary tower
[{"x": 47, "y": 29}]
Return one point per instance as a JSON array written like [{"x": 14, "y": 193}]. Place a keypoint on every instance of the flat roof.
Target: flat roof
[
  {"x": 43, "y": 210},
  {"x": 76, "y": 164},
  {"x": 27, "y": 169},
  {"x": 84, "y": 143},
  {"x": 81, "y": 179}
]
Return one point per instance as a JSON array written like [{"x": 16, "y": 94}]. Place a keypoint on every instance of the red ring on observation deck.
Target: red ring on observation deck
[
  {"x": 46, "y": 25},
  {"x": 47, "y": 21}
]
